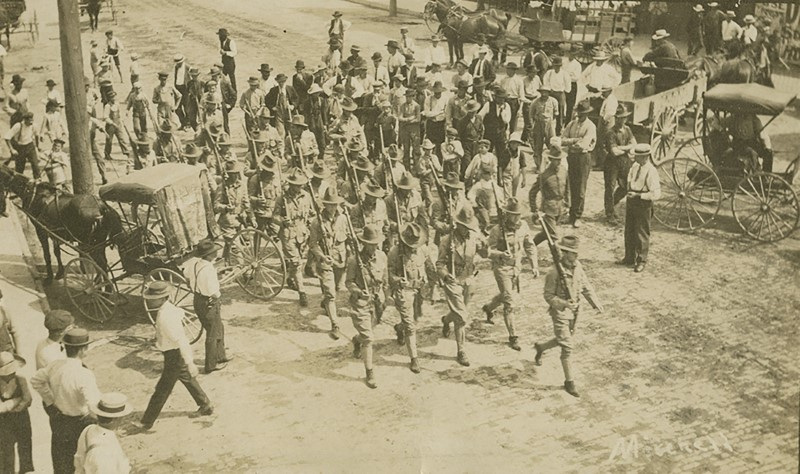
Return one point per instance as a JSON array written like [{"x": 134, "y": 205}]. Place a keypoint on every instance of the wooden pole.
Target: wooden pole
[
  {"x": 392, "y": 7},
  {"x": 75, "y": 97}
]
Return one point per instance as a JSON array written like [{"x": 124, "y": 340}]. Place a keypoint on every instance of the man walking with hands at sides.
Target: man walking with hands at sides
[
  {"x": 227, "y": 51},
  {"x": 563, "y": 286},
  {"x": 202, "y": 277},
  {"x": 171, "y": 340},
  {"x": 644, "y": 187}
]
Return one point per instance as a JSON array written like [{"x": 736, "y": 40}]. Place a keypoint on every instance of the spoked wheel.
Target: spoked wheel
[
  {"x": 691, "y": 194},
  {"x": 258, "y": 264},
  {"x": 791, "y": 170},
  {"x": 662, "y": 134},
  {"x": 613, "y": 46},
  {"x": 693, "y": 150},
  {"x": 765, "y": 207},
  {"x": 90, "y": 289},
  {"x": 699, "y": 119},
  {"x": 181, "y": 296}
]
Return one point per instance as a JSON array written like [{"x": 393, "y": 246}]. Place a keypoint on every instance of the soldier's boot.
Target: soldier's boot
[
  {"x": 539, "y": 352},
  {"x": 508, "y": 318},
  {"x": 415, "y": 366},
  {"x": 330, "y": 309},
  {"x": 368, "y": 366},
  {"x": 411, "y": 345},
  {"x": 461, "y": 336},
  {"x": 569, "y": 386},
  {"x": 303, "y": 299},
  {"x": 462, "y": 358},
  {"x": 370, "y": 381},
  {"x": 356, "y": 347},
  {"x": 512, "y": 342},
  {"x": 401, "y": 337},
  {"x": 445, "y": 327},
  {"x": 489, "y": 314}
]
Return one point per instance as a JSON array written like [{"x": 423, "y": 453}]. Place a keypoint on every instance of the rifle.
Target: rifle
[
  {"x": 446, "y": 204},
  {"x": 388, "y": 170},
  {"x": 353, "y": 177},
  {"x": 363, "y": 270},
  {"x": 293, "y": 151},
  {"x": 500, "y": 226},
  {"x": 171, "y": 136},
  {"x": 318, "y": 212}
]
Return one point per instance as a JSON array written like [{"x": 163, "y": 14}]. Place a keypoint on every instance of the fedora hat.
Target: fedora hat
[
  {"x": 337, "y": 14},
  {"x": 583, "y": 107},
  {"x": 622, "y": 111},
  {"x": 370, "y": 235},
  {"x": 58, "y": 320},
  {"x": 557, "y": 61},
  {"x": 452, "y": 181},
  {"x": 473, "y": 106},
  {"x": 749, "y": 19},
  {"x": 331, "y": 197},
  {"x": 555, "y": 153},
  {"x": 438, "y": 87},
  {"x": 17, "y": 79},
  {"x": 318, "y": 170},
  {"x": 265, "y": 113},
  {"x": 412, "y": 234},
  {"x": 76, "y": 337},
  {"x": 511, "y": 65},
  {"x": 193, "y": 71},
  {"x": 205, "y": 247},
  {"x": 512, "y": 206},
  {"x": 112, "y": 405},
  {"x": 252, "y": 80},
  {"x": 466, "y": 217},
  {"x": 406, "y": 181},
  {"x": 299, "y": 120},
  {"x": 641, "y": 149},
  {"x": 372, "y": 189},
  {"x": 10, "y": 363},
  {"x": 296, "y": 177},
  {"x": 222, "y": 31},
  {"x": 264, "y": 68},
  {"x": 569, "y": 243},
  {"x": 660, "y": 34},
  {"x": 428, "y": 144},
  {"x": 268, "y": 165},
  {"x": 163, "y": 74},
  {"x": 348, "y": 104},
  {"x": 233, "y": 167},
  {"x": 392, "y": 44},
  {"x": 299, "y": 64},
  {"x": 377, "y": 56}
]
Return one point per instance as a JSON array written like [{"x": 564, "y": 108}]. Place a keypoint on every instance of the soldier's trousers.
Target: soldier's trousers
[
  {"x": 638, "y": 213},
  {"x": 504, "y": 276},
  {"x": 562, "y": 338},
  {"x": 408, "y": 302},
  {"x": 457, "y": 296},
  {"x": 551, "y": 222},
  {"x": 295, "y": 254},
  {"x": 409, "y": 141},
  {"x": 327, "y": 285}
]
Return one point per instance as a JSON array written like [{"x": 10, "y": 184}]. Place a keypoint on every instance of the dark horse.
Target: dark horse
[
  {"x": 718, "y": 70},
  {"x": 83, "y": 220},
  {"x": 459, "y": 25}
]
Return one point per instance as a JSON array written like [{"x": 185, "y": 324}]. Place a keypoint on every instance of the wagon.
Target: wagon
[
  {"x": 166, "y": 210},
  {"x": 723, "y": 164}
]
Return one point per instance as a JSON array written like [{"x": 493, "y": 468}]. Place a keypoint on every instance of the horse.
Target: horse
[
  {"x": 719, "y": 70},
  {"x": 84, "y": 220},
  {"x": 459, "y": 25}
]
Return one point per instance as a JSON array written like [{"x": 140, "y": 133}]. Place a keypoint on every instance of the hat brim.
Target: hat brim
[
  {"x": 460, "y": 185},
  {"x": 333, "y": 202},
  {"x": 150, "y": 296},
  {"x": 375, "y": 241},
  {"x": 297, "y": 182},
  {"x": 215, "y": 248},
  {"x": 375, "y": 194},
  {"x": 107, "y": 414},
  {"x": 13, "y": 366},
  {"x": 471, "y": 225},
  {"x": 564, "y": 248},
  {"x": 350, "y": 108},
  {"x": 423, "y": 237}
]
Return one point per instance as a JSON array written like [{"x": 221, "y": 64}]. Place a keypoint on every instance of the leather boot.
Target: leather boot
[
  {"x": 356, "y": 347},
  {"x": 334, "y": 332},
  {"x": 489, "y": 314},
  {"x": 445, "y": 327},
  {"x": 569, "y": 386},
  {"x": 539, "y": 352},
  {"x": 512, "y": 342},
  {"x": 371, "y": 379},
  {"x": 303, "y": 300},
  {"x": 401, "y": 337},
  {"x": 414, "y": 366},
  {"x": 462, "y": 358}
]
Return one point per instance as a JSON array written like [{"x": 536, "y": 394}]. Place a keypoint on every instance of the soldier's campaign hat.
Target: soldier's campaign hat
[
  {"x": 473, "y": 105},
  {"x": 264, "y": 68},
  {"x": 215, "y": 129},
  {"x": 622, "y": 111},
  {"x": 452, "y": 181},
  {"x": 569, "y": 243},
  {"x": 438, "y": 87},
  {"x": 363, "y": 164},
  {"x": 178, "y": 58},
  {"x": 428, "y": 144},
  {"x": 318, "y": 170},
  {"x": 512, "y": 206},
  {"x": 163, "y": 74},
  {"x": 252, "y": 80},
  {"x": 191, "y": 150},
  {"x": 296, "y": 177},
  {"x": 393, "y": 152},
  {"x": 372, "y": 189},
  {"x": 233, "y": 167},
  {"x": 299, "y": 120},
  {"x": 516, "y": 137},
  {"x": 348, "y": 104},
  {"x": 165, "y": 127},
  {"x": 267, "y": 165},
  {"x": 58, "y": 320},
  {"x": 406, "y": 181},
  {"x": 78, "y": 337},
  {"x": 583, "y": 107},
  {"x": 641, "y": 149},
  {"x": 331, "y": 197},
  {"x": 314, "y": 89},
  {"x": 557, "y": 61},
  {"x": 466, "y": 217},
  {"x": 206, "y": 247},
  {"x": 698, "y": 8},
  {"x": 10, "y": 363},
  {"x": 339, "y": 88},
  {"x": 265, "y": 113},
  {"x": 224, "y": 139},
  {"x": 412, "y": 235},
  {"x": 112, "y": 405},
  {"x": 370, "y": 235}
]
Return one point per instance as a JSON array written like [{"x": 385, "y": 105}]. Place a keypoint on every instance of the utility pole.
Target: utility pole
[
  {"x": 392, "y": 7},
  {"x": 75, "y": 96}
]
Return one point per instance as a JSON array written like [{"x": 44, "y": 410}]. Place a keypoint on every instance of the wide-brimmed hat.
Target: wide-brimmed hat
[
  {"x": 406, "y": 181},
  {"x": 224, "y": 139},
  {"x": 264, "y": 68},
  {"x": 554, "y": 153},
  {"x": 331, "y": 197},
  {"x": 698, "y": 8},
  {"x": 731, "y": 13},
  {"x": 58, "y": 320},
  {"x": 76, "y": 337},
  {"x": 377, "y": 56},
  {"x": 233, "y": 167},
  {"x": 258, "y": 136},
  {"x": 299, "y": 120},
  {"x": 178, "y": 58},
  {"x": 165, "y": 127},
  {"x": 749, "y": 19},
  {"x": 370, "y": 235},
  {"x": 473, "y": 105},
  {"x": 191, "y": 150},
  {"x": 462, "y": 84},
  {"x": 451, "y": 132},
  {"x": 205, "y": 247},
  {"x": 512, "y": 207},
  {"x": 363, "y": 164},
  {"x": 392, "y": 44},
  {"x": 713, "y": 4},
  {"x": 348, "y": 104},
  {"x": 569, "y": 243},
  {"x": 511, "y": 65},
  {"x": 374, "y": 190},
  {"x": 641, "y": 149},
  {"x": 428, "y": 144},
  {"x": 16, "y": 78},
  {"x": 50, "y": 82},
  {"x": 268, "y": 165},
  {"x": 296, "y": 177},
  {"x": 355, "y": 48},
  {"x": 193, "y": 71},
  {"x": 557, "y": 61},
  {"x": 337, "y": 14},
  {"x": 622, "y": 111},
  {"x": 112, "y": 405},
  {"x": 10, "y": 363},
  {"x": 584, "y": 107},
  {"x": 411, "y": 92},
  {"x": 265, "y": 113},
  {"x": 314, "y": 89},
  {"x": 438, "y": 87},
  {"x": 660, "y": 34},
  {"x": 412, "y": 234},
  {"x": 462, "y": 62},
  {"x": 318, "y": 170},
  {"x": 452, "y": 181},
  {"x": 516, "y": 137},
  {"x": 253, "y": 81},
  {"x": 478, "y": 81},
  {"x": 466, "y": 217},
  {"x": 393, "y": 152}
]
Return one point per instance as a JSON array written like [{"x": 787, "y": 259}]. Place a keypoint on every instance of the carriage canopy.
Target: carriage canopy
[
  {"x": 747, "y": 98},
  {"x": 178, "y": 193}
]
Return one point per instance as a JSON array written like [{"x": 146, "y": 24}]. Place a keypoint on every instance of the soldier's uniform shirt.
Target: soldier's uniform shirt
[
  {"x": 555, "y": 294},
  {"x": 294, "y": 235},
  {"x": 333, "y": 232},
  {"x": 552, "y": 184},
  {"x": 411, "y": 208},
  {"x": 506, "y": 270},
  {"x": 376, "y": 216},
  {"x": 264, "y": 196},
  {"x": 482, "y": 197},
  {"x": 464, "y": 251},
  {"x": 407, "y": 300},
  {"x": 231, "y": 195},
  {"x": 362, "y": 307},
  {"x": 306, "y": 145},
  {"x": 441, "y": 217}
]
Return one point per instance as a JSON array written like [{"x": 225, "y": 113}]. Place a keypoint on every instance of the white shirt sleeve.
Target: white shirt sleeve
[{"x": 233, "y": 51}]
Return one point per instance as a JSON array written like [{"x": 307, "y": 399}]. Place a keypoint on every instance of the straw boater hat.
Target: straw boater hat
[
  {"x": 58, "y": 320},
  {"x": 296, "y": 177},
  {"x": 569, "y": 243},
  {"x": 318, "y": 170},
  {"x": 599, "y": 55},
  {"x": 713, "y": 4},
  {"x": 332, "y": 197},
  {"x": 660, "y": 34},
  {"x": 372, "y": 189},
  {"x": 698, "y": 8},
  {"x": 641, "y": 149},
  {"x": 76, "y": 337},
  {"x": 10, "y": 363},
  {"x": 112, "y": 405},
  {"x": 749, "y": 19},
  {"x": 412, "y": 235},
  {"x": 466, "y": 218},
  {"x": 370, "y": 235},
  {"x": 622, "y": 111},
  {"x": 452, "y": 181},
  {"x": 406, "y": 181},
  {"x": 428, "y": 144},
  {"x": 731, "y": 13},
  {"x": 299, "y": 120},
  {"x": 205, "y": 247},
  {"x": 348, "y": 104}
]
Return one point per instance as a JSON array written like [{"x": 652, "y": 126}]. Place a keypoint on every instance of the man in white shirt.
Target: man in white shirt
[
  {"x": 407, "y": 44},
  {"x": 337, "y": 27},
  {"x": 749, "y": 32},
  {"x": 113, "y": 48},
  {"x": 600, "y": 74},
  {"x": 644, "y": 187},
  {"x": 462, "y": 73},
  {"x": 434, "y": 53},
  {"x": 731, "y": 31},
  {"x": 514, "y": 87},
  {"x": 98, "y": 449},
  {"x": 171, "y": 340},
  {"x": 379, "y": 71},
  {"x": 434, "y": 112},
  {"x": 21, "y": 139},
  {"x": 266, "y": 82},
  {"x": 558, "y": 82},
  {"x": 51, "y": 349},
  {"x": 580, "y": 136},
  {"x": 202, "y": 277},
  {"x": 68, "y": 390}
]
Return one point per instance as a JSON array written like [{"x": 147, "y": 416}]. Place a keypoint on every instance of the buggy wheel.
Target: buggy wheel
[
  {"x": 90, "y": 289},
  {"x": 258, "y": 264},
  {"x": 699, "y": 120},
  {"x": 693, "y": 150},
  {"x": 791, "y": 170},
  {"x": 613, "y": 46},
  {"x": 691, "y": 194},
  {"x": 662, "y": 133},
  {"x": 181, "y": 296},
  {"x": 765, "y": 207}
]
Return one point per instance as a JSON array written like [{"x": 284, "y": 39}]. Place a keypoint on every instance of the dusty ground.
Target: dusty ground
[{"x": 693, "y": 367}]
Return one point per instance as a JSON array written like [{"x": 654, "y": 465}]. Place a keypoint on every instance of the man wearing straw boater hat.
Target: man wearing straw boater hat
[
  {"x": 712, "y": 28},
  {"x": 68, "y": 390},
  {"x": 328, "y": 245},
  {"x": 456, "y": 269},
  {"x": 662, "y": 48},
  {"x": 618, "y": 143},
  {"x": 290, "y": 223},
  {"x": 15, "y": 421},
  {"x": 644, "y": 187},
  {"x": 204, "y": 283},
  {"x": 552, "y": 183},
  {"x": 564, "y": 303},
  {"x": 600, "y": 74},
  {"x": 360, "y": 281},
  {"x": 506, "y": 243},
  {"x": 264, "y": 190},
  {"x": 171, "y": 340},
  {"x": 98, "y": 447}
]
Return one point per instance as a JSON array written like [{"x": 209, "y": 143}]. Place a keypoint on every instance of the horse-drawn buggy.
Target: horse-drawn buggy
[{"x": 732, "y": 159}]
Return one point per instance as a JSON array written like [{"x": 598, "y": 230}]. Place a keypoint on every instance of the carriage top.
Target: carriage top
[{"x": 747, "y": 98}]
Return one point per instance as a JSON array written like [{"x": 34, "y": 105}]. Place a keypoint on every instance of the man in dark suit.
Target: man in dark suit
[
  {"x": 301, "y": 81},
  {"x": 180, "y": 74},
  {"x": 282, "y": 100},
  {"x": 409, "y": 71},
  {"x": 482, "y": 67}
]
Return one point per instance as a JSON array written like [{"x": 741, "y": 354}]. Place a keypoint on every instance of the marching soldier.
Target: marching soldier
[
  {"x": 271, "y": 134},
  {"x": 450, "y": 198},
  {"x": 456, "y": 268},
  {"x": 374, "y": 211},
  {"x": 319, "y": 183},
  {"x": 258, "y": 151},
  {"x": 562, "y": 292},
  {"x": 264, "y": 191},
  {"x": 302, "y": 143},
  {"x": 407, "y": 278},
  {"x": 409, "y": 204},
  {"x": 328, "y": 244},
  {"x": 483, "y": 197},
  {"x": 167, "y": 147},
  {"x": 363, "y": 169},
  {"x": 290, "y": 222},
  {"x": 505, "y": 245},
  {"x": 552, "y": 183},
  {"x": 452, "y": 152},
  {"x": 232, "y": 204},
  {"x": 396, "y": 167},
  {"x": 366, "y": 278}
]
